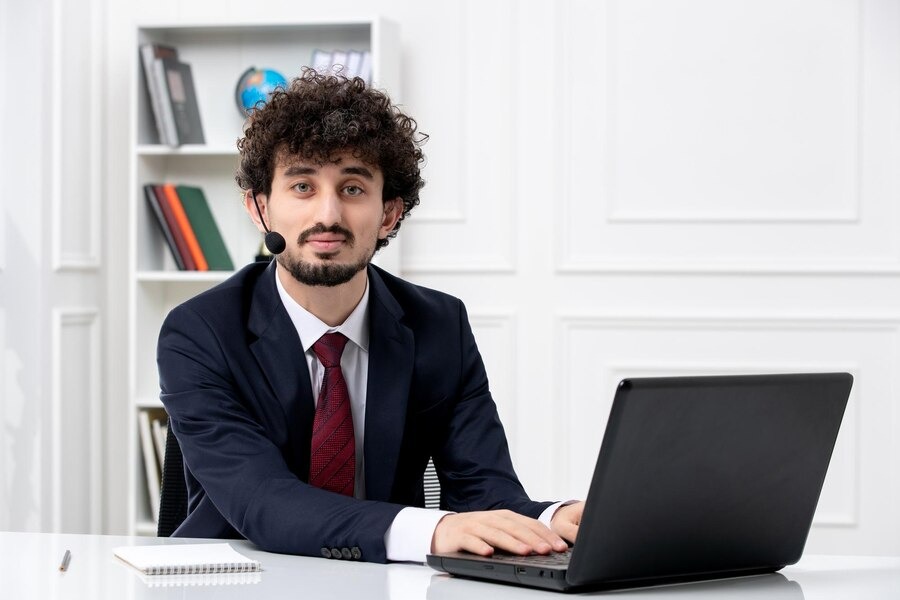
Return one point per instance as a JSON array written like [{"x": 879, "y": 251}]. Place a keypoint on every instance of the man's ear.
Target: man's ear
[
  {"x": 256, "y": 209},
  {"x": 393, "y": 208}
]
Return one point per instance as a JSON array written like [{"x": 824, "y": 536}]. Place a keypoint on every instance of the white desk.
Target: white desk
[{"x": 29, "y": 569}]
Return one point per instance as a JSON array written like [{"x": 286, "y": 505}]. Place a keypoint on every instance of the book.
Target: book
[
  {"x": 172, "y": 225},
  {"x": 339, "y": 62},
  {"x": 151, "y": 466},
  {"x": 321, "y": 61},
  {"x": 365, "y": 67},
  {"x": 163, "y": 225},
  {"x": 184, "y": 225},
  {"x": 182, "y": 99},
  {"x": 169, "y": 134},
  {"x": 349, "y": 63},
  {"x": 159, "y": 428},
  {"x": 149, "y": 54},
  {"x": 205, "y": 228},
  {"x": 186, "y": 559},
  {"x": 354, "y": 62}
]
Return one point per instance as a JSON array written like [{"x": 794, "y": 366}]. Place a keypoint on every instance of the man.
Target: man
[{"x": 308, "y": 394}]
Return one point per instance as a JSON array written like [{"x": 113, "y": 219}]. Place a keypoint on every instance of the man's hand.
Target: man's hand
[
  {"x": 483, "y": 532},
  {"x": 566, "y": 520}
]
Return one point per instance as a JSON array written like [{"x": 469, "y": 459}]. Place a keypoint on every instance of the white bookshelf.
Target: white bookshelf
[{"x": 218, "y": 55}]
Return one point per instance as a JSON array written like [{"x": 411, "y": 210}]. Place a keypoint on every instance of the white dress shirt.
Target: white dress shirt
[{"x": 409, "y": 536}]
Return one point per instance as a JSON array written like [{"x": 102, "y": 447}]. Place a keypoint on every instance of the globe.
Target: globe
[{"x": 255, "y": 86}]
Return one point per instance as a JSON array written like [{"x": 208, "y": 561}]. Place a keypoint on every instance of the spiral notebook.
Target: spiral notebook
[{"x": 186, "y": 559}]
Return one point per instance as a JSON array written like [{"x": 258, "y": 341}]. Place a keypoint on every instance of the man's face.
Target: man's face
[{"x": 330, "y": 215}]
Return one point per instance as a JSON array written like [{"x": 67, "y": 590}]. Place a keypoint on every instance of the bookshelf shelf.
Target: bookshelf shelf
[
  {"x": 183, "y": 276},
  {"x": 218, "y": 54},
  {"x": 149, "y": 402},
  {"x": 145, "y": 528},
  {"x": 187, "y": 149}
]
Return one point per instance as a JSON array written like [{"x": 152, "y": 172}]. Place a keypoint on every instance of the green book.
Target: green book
[{"x": 205, "y": 228}]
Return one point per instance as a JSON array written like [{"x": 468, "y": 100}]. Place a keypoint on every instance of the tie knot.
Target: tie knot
[{"x": 329, "y": 348}]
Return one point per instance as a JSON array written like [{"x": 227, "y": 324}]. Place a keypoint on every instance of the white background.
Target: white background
[{"x": 614, "y": 188}]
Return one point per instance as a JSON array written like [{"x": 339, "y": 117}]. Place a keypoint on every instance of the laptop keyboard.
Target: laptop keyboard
[{"x": 554, "y": 559}]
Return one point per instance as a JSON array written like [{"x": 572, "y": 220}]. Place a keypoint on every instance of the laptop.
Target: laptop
[{"x": 697, "y": 478}]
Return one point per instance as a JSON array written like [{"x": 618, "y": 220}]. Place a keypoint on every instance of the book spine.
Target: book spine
[
  {"x": 168, "y": 114},
  {"x": 172, "y": 222},
  {"x": 185, "y": 226},
  {"x": 184, "y": 102},
  {"x": 147, "y": 57},
  {"x": 163, "y": 225},
  {"x": 150, "y": 465},
  {"x": 204, "y": 224},
  {"x": 365, "y": 67}
]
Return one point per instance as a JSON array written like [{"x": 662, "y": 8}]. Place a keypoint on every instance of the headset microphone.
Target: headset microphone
[{"x": 274, "y": 241}]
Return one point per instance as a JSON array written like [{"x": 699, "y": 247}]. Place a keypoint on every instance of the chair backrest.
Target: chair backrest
[
  {"x": 432, "y": 487},
  {"x": 173, "y": 492}
]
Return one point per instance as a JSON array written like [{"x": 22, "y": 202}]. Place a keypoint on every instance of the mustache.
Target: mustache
[{"x": 318, "y": 228}]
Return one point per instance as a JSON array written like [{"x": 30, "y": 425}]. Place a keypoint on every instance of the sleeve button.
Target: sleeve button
[
  {"x": 345, "y": 553},
  {"x": 355, "y": 553},
  {"x": 335, "y": 553},
  {"x": 325, "y": 552}
]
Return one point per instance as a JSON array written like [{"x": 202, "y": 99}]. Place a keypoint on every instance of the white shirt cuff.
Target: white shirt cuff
[
  {"x": 550, "y": 511},
  {"x": 409, "y": 536}
]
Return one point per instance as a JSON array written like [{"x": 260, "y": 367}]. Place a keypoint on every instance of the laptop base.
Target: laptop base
[{"x": 466, "y": 565}]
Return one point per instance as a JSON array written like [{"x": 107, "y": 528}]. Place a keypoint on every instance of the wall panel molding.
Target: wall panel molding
[
  {"x": 76, "y": 108},
  {"x": 76, "y": 420},
  {"x": 690, "y": 344},
  {"x": 603, "y": 229},
  {"x": 479, "y": 234},
  {"x": 496, "y": 335}
]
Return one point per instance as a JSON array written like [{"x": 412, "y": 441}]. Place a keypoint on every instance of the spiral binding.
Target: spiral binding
[
  {"x": 204, "y": 569},
  {"x": 202, "y": 579}
]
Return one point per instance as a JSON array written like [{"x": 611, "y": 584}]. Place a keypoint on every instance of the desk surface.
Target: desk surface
[{"x": 29, "y": 568}]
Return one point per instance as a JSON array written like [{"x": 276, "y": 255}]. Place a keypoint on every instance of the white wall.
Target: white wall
[
  {"x": 646, "y": 187},
  {"x": 620, "y": 188},
  {"x": 51, "y": 272}
]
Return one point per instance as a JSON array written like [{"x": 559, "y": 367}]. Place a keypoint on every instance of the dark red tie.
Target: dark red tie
[{"x": 332, "y": 464}]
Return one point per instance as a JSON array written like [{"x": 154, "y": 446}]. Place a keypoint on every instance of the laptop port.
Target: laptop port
[{"x": 521, "y": 570}]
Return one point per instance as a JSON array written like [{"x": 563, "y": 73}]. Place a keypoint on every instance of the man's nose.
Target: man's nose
[{"x": 329, "y": 209}]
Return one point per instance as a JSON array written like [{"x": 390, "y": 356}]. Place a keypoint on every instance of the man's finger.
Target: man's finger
[
  {"x": 475, "y": 545},
  {"x": 567, "y": 530}
]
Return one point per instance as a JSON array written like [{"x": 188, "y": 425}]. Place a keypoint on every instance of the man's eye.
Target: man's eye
[
  {"x": 353, "y": 190},
  {"x": 303, "y": 188}
]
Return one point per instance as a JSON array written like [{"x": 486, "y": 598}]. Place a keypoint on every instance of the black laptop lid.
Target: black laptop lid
[{"x": 706, "y": 475}]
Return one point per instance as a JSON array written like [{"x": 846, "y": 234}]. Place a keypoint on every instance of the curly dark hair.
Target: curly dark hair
[{"x": 322, "y": 115}]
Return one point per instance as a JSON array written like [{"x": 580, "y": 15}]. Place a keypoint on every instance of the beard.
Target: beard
[{"x": 325, "y": 273}]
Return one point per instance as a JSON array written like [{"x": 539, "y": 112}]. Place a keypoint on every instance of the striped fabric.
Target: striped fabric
[{"x": 432, "y": 487}]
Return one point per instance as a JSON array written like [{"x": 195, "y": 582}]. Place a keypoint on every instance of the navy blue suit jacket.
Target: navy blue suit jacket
[{"x": 236, "y": 386}]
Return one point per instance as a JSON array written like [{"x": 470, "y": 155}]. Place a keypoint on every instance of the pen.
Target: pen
[{"x": 65, "y": 561}]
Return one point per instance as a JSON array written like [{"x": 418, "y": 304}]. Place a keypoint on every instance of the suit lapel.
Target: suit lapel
[
  {"x": 278, "y": 351},
  {"x": 391, "y": 356}
]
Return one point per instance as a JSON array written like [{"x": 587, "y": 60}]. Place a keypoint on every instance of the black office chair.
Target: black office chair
[{"x": 173, "y": 492}]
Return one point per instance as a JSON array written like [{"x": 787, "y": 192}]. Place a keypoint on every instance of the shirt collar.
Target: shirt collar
[{"x": 311, "y": 328}]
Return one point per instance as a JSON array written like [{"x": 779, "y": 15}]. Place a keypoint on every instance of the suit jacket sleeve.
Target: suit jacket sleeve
[
  {"x": 473, "y": 460},
  {"x": 241, "y": 470}
]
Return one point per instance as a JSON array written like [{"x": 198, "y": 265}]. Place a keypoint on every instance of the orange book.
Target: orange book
[{"x": 185, "y": 226}]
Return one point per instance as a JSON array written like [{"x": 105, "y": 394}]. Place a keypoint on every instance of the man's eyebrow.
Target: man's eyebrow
[
  {"x": 361, "y": 171},
  {"x": 294, "y": 170}
]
